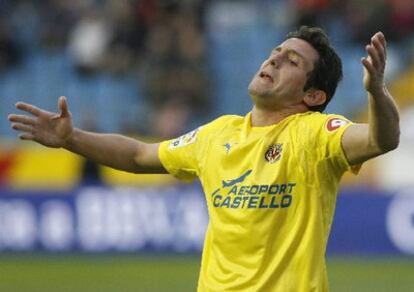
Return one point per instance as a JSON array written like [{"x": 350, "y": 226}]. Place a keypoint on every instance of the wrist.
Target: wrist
[
  {"x": 70, "y": 140},
  {"x": 380, "y": 90}
]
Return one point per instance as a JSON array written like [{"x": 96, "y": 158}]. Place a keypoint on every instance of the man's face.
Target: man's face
[{"x": 281, "y": 78}]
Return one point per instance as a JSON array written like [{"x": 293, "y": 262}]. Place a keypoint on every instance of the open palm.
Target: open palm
[{"x": 46, "y": 128}]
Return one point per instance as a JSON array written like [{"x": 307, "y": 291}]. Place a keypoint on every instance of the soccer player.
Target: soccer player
[{"x": 270, "y": 178}]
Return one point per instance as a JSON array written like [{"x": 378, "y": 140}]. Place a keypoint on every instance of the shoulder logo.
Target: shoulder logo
[
  {"x": 184, "y": 140},
  {"x": 274, "y": 153},
  {"x": 335, "y": 123}
]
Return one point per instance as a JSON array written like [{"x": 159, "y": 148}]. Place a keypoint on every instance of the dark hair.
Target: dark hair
[{"x": 327, "y": 71}]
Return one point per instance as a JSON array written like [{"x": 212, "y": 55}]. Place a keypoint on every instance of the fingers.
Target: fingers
[
  {"x": 377, "y": 54},
  {"x": 380, "y": 38},
  {"x": 24, "y": 124},
  {"x": 23, "y": 119},
  {"x": 26, "y": 129},
  {"x": 22, "y": 127},
  {"x": 34, "y": 110},
  {"x": 380, "y": 48},
  {"x": 373, "y": 56},
  {"x": 26, "y": 136},
  {"x": 63, "y": 106},
  {"x": 368, "y": 65}
]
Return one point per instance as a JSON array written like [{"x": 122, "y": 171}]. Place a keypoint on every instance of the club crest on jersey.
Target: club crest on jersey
[
  {"x": 274, "y": 153},
  {"x": 335, "y": 123},
  {"x": 184, "y": 140}
]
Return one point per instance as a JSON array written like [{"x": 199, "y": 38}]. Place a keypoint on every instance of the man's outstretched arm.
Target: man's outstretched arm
[
  {"x": 364, "y": 141},
  {"x": 56, "y": 130}
]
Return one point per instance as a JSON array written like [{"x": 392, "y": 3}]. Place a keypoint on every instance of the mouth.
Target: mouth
[{"x": 265, "y": 76}]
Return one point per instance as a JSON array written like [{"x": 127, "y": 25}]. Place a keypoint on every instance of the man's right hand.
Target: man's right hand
[{"x": 46, "y": 128}]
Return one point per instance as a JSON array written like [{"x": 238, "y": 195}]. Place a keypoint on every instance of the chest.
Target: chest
[
  {"x": 259, "y": 162},
  {"x": 262, "y": 152},
  {"x": 255, "y": 173}
]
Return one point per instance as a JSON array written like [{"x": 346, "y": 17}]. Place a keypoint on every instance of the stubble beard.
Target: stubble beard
[
  {"x": 260, "y": 96},
  {"x": 258, "y": 93}
]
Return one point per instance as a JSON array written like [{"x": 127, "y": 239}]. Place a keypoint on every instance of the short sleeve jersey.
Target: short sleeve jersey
[{"x": 270, "y": 193}]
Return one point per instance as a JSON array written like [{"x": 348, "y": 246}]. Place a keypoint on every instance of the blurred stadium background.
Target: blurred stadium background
[{"x": 155, "y": 69}]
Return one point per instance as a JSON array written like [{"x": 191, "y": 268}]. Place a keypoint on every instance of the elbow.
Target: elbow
[
  {"x": 397, "y": 133},
  {"x": 396, "y": 141},
  {"x": 137, "y": 160},
  {"x": 391, "y": 143},
  {"x": 392, "y": 140}
]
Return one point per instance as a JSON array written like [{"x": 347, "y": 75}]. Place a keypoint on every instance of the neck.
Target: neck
[{"x": 265, "y": 117}]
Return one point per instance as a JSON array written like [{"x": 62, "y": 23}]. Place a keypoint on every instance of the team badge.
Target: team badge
[
  {"x": 274, "y": 153},
  {"x": 184, "y": 140},
  {"x": 335, "y": 123}
]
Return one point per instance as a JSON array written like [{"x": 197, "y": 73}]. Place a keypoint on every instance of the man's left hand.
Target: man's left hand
[{"x": 374, "y": 64}]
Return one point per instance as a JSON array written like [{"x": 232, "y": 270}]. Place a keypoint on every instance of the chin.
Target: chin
[
  {"x": 254, "y": 90},
  {"x": 257, "y": 90},
  {"x": 258, "y": 94}
]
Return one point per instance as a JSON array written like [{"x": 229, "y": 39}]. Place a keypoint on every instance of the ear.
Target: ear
[{"x": 314, "y": 97}]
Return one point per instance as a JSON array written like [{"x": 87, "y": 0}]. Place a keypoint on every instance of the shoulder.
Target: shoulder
[
  {"x": 203, "y": 133},
  {"x": 320, "y": 122},
  {"x": 318, "y": 130}
]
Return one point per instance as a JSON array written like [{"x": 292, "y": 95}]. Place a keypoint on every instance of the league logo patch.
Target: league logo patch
[
  {"x": 274, "y": 153},
  {"x": 184, "y": 140},
  {"x": 335, "y": 123}
]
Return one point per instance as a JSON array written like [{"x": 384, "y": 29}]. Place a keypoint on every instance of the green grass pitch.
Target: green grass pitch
[{"x": 124, "y": 273}]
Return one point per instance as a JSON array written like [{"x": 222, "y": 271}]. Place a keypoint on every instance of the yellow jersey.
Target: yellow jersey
[{"x": 270, "y": 193}]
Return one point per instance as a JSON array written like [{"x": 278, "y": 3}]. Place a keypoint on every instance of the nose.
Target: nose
[{"x": 275, "y": 60}]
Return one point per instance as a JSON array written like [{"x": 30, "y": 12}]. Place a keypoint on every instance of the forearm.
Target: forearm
[
  {"x": 383, "y": 119},
  {"x": 113, "y": 150}
]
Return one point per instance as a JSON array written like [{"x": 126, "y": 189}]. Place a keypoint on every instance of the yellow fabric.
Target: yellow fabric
[{"x": 269, "y": 220}]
